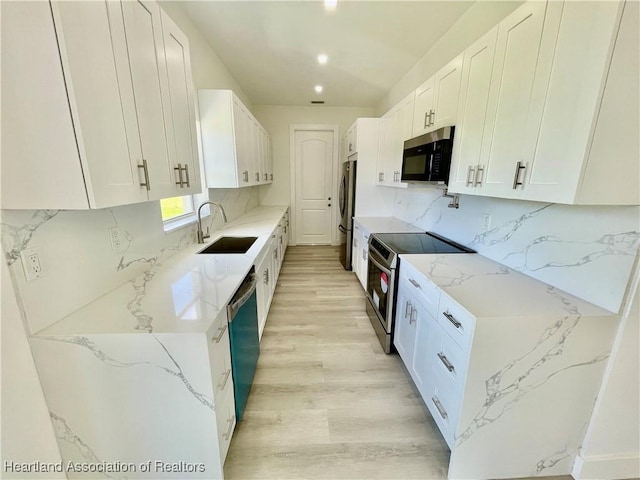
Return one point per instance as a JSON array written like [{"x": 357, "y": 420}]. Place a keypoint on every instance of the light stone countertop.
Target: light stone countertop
[
  {"x": 489, "y": 289},
  {"x": 182, "y": 294},
  {"x": 386, "y": 225}
]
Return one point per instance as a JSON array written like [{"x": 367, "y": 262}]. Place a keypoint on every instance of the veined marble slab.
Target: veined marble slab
[
  {"x": 182, "y": 294},
  {"x": 489, "y": 289},
  {"x": 386, "y": 225}
]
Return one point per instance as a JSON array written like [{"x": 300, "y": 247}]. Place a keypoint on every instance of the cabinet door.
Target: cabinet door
[
  {"x": 381, "y": 162},
  {"x": 405, "y": 329},
  {"x": 423, "y": 109},
  {"x": 94, "y": 56},
  {"x": 263, "y": 291},
  {"x": 183, "y": 151},
  {"x": 34, "y": 99},
  {"x": 355, "y": 251},
  {"x": 143, "y": 28},
  {"x": 446, "y": 86},
  {"x": 420, "y": 364},
  {"x": 513, "y": 89},
  {"x": 241, "y": 142},
  {"x": 466, "y": 170},
  {"x": 270, "y": 160}
]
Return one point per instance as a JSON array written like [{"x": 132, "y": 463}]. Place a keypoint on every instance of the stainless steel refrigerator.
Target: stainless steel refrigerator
[{"x": 347, "y": 200}]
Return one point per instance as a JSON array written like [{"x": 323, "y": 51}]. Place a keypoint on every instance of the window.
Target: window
[{"x": 176, "y": 207}]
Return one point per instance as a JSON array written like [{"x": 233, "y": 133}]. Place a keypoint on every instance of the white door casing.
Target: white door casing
[{"x": 314, "y": 153}]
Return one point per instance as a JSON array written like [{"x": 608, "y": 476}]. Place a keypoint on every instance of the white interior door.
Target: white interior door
[{"x": 313, "y": 157}]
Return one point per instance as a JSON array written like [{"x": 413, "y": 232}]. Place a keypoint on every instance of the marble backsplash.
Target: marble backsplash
[
  {"x": 77, "y": 257},
  {"x": 588, "y": 251}
]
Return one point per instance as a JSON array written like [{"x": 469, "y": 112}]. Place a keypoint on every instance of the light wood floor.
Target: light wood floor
[{"x": 327, "y": 402}]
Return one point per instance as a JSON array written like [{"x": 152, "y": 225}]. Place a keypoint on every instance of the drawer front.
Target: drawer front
[
  {"x": 220, "y": 358},
  {"x": 226, "y": 421},
  {"x": 427, "y": 292},
  {"x": 456, "y": 321},
  {"x": 444, "y": 404},
  {"x": 448, "y": 359}
]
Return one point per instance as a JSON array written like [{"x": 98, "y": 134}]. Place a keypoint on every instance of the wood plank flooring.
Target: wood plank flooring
[{"x": 327, "y": 402}]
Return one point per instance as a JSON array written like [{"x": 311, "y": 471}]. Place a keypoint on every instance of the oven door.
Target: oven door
[{"x": 380, "y": 290}]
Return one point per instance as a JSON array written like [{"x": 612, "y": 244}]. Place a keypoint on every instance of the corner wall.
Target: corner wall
[{"x": 611, "y": 448}]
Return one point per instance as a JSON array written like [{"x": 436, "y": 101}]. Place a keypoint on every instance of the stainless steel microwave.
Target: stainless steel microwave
[{"x": 427, "y": 158}]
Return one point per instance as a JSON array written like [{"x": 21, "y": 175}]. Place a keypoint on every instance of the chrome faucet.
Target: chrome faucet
[{"x": 201, "y": 235}]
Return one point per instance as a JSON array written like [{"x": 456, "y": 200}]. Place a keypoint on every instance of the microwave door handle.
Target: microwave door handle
[{"x": 430, "y": 166}]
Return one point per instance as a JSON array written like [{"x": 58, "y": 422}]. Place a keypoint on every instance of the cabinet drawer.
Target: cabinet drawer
[
  {"x": 425, "y": 290},
  {"x": 220, "y": 358},
  {"x": 456, "y": 321},
  {"x": 446, "y": 358},
  {"x": 226, "y": 421},
  {"x": 443, "y": 401}
]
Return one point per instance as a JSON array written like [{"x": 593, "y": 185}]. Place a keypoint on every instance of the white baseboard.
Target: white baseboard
[{"x": 606, "y": 467}]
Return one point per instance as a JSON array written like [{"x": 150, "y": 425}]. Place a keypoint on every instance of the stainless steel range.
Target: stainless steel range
[{"x": 382, "y": 276}]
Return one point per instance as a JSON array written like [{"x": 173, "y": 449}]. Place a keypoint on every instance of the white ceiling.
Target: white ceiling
[{"x": 271, "y": 47}]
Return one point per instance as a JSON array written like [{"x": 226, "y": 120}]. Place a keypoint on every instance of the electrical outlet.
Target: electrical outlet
[
  {"x": 115, "y": 235},
  {"x": 32, "y": 264},
  {"x": 486, "y": 221}
]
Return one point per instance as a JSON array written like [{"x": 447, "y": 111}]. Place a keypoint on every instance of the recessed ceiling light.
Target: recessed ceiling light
[
  {"x": 322, "y": 58},
  {"x": 330, "y": 4},
  {"x": 318, "y": 88}
]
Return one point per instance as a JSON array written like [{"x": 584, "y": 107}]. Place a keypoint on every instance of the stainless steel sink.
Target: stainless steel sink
[{"x": 230, "y": 245}]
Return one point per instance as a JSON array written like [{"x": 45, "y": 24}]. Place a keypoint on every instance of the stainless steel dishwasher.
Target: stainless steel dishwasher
[{"x": 242, "y": 314}]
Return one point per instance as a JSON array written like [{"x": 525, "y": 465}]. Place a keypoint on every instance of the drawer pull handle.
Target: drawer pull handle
[
  {"x": 223, "y": 382},
  {"x": 414, "y": 283},
  {"x": 412, "y": 318},
  {"x": 230, "y": 422},
  {"x": 407, "y": 309},
  {"x": 445, "y": 362},
  {"x": 441, "y": 410},
  {"x": 221, "y": 331},
  {"x": 452, "y": 319}
]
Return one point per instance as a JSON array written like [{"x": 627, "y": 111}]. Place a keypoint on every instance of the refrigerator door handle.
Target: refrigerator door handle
[{"x": 342, "y": 229}]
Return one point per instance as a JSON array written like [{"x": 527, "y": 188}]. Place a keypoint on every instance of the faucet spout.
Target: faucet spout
[{"x": 201, "y": 235}]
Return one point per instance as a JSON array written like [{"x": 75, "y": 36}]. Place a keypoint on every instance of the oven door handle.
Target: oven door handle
[{"x": 379, "y": 265}]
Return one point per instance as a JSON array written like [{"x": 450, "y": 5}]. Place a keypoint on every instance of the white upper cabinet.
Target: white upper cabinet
[
  {"x": 183, "y": 150},
  {"x": 524, "y": 50},
  {"x": 587, "y": 149},
  {"x": 236, "y": 153},
  {"x": 396, "y": 126},
  {"x": 558, "y": 121},
  {"x": 36, "y": 122},
  {"x": 112, "y": 58},
  {"x": 466, "y": 170},
  {"x": 436, "y": 100}
]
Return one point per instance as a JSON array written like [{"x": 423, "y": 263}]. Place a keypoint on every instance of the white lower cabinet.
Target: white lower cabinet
[
  {"x": 499, "y": 359},
  {"x": 360, "y": 253},
  {"x": 268, "y": 264}
]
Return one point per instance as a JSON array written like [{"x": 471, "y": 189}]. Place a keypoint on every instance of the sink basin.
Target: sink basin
[{"x": 230, "y": 245}]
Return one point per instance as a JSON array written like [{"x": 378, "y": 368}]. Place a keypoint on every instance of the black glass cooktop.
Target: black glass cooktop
[{"x": 420, "y": 243}]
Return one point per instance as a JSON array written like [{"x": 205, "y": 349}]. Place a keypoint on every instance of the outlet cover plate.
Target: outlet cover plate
[{"x": 32, "y": 263}]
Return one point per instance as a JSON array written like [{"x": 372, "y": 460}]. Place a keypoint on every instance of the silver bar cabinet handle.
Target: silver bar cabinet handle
[
  {"x": 452, "y": 319},
  {"x": 407, "y": 309},
  {"x": 516, "y": 183},
  {"x": 445, "y": 362},
  {"x": 145, "y": 169},
  {"x": 186, "y": 173},
  {"x": 223, "y": 382},
  {"x": 257, "y": 176},
  {"x": 221, "y": 331},
  {"x": 412, "y": 318},
  {"x": 179, "y": 169},
  {"x": 441, "y": 410},
  {"x": 415, "y": 284},
  {"x": 266, "y": 177},
  {"x": 230, "y": 422},
  {"x": 470, "y": 175},
  {"x": 478, "y": 178},
  {"x": 426, "y": 119},
  {"x": 245, "y": 174}
]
